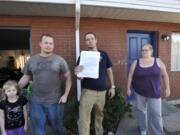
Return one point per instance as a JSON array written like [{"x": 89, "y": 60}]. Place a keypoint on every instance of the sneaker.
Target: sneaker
[{"x": 143, "y": 132}]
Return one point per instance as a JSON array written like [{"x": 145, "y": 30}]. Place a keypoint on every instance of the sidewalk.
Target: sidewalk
[
  {"x": 129, "y": 126},
  {"x": 171, "y": 122}
]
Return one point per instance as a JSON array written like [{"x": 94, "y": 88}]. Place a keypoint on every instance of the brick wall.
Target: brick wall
[
  {"x": 111, "y": 35},
  {"x": 61, "y": 28}
]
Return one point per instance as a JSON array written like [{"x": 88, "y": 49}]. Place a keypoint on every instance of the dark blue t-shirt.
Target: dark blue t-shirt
[{"x": 100, "y": 83}]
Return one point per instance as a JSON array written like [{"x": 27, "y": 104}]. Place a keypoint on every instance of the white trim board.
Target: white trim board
[{"x": 44, "y": 1}]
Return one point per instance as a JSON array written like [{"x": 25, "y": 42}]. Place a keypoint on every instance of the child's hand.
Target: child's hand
[
  {"x": 25, "y": 128},
  {"x": 4, "y": 132}
]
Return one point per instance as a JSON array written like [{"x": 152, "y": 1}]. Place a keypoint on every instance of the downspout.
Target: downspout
[{"x": 77, "y": 38}]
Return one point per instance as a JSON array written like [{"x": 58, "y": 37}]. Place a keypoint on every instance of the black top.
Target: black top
[
  {"x": 100, "y": 83},
  {"x": 13, "y": 112}
]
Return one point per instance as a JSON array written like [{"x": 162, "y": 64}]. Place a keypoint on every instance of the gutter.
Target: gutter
[
  {"x": 77, "y": 37},
  {"x": 72, "y": 2}
]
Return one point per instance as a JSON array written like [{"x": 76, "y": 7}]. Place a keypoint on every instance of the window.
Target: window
[{"x": 175, "y": 52}]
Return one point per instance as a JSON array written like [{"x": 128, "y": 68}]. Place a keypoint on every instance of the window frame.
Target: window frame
[{"x": 175, "y": 62}]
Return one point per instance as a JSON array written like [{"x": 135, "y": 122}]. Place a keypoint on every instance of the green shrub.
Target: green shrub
[
  {"x": 114, "y": 110},
  {"x": 71, "y": 117}
]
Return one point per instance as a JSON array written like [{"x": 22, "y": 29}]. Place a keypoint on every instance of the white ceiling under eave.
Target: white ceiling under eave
[
  {"x": 130, "y": 14},
  {"x": 36, "y": 9},
  {"x": 92, "y": 10}
]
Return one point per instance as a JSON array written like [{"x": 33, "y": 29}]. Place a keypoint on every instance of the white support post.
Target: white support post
[{"x": 77, "y": 25}]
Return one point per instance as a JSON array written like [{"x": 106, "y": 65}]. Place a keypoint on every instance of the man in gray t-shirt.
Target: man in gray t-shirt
[{"x": 46, "y": 70}]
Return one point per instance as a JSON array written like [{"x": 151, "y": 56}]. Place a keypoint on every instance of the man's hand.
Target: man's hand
[
  {"x": 78, "y": 69},
  {"x": 63, "y": 99},
  {"x": 111, "y": 92}
]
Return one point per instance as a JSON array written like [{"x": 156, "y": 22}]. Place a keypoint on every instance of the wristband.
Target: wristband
[{"x": 113, "y": 87}]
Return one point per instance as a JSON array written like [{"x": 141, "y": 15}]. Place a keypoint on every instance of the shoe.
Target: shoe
[{"x": 143, "y": 132}]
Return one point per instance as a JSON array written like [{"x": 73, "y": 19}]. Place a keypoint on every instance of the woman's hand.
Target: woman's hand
[
  {"x": 167, "y": 92},
  {"x": 128, "y": 92}
]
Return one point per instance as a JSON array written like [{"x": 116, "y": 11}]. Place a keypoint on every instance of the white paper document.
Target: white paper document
[{"x": 90, "y": 62}]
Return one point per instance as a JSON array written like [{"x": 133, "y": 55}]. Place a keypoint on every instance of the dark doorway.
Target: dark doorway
[{"x": 14, "y": 52}]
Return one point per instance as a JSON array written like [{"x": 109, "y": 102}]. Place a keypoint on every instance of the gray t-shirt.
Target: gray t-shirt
[{"x": 46, "y": 73}]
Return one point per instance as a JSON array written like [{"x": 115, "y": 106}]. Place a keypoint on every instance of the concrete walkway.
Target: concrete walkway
[
  {"x": 171, "y": 122},
  {"x": 129, "y": 126}
]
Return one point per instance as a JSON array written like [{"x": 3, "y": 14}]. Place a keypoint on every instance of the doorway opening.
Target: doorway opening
[
  {"x": 14, "y": 52},
  {"x": 136, "y": 39}
]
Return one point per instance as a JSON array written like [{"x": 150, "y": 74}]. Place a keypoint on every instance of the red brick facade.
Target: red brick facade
[{"x": 112, "y": 37}]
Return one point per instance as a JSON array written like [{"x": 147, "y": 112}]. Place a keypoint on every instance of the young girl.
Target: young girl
[{"x": 13, "y": 114}]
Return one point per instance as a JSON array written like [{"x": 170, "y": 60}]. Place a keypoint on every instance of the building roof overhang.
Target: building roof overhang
[{"x": 140, "y": 10}]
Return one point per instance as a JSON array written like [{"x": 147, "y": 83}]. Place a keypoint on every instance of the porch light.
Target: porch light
[{"x": 165, "y": 37}]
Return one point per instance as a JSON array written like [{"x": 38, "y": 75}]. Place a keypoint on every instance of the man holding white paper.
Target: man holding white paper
[
  {"x": 93, "y": 67},
  {"x": 90, "y": 62}
]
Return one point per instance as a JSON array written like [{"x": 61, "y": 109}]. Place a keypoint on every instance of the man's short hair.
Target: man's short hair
[
  {"x": 45, "y": 35},
  {"x": 90, "y": 33}
]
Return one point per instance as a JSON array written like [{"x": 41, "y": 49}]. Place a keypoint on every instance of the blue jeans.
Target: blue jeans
[{"x": 40, "y": 113}]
